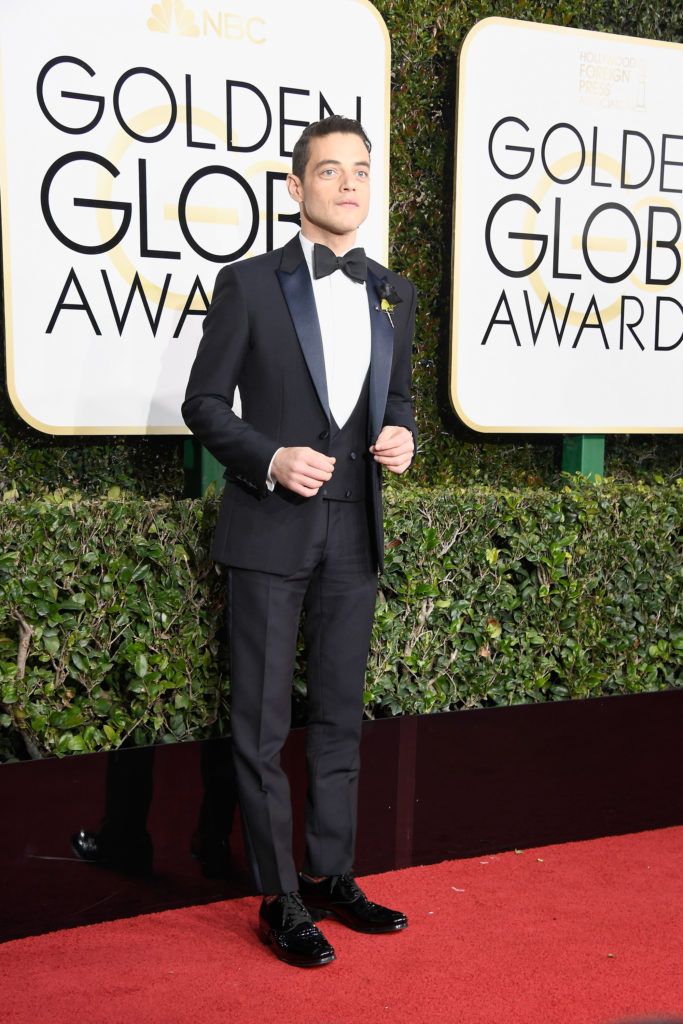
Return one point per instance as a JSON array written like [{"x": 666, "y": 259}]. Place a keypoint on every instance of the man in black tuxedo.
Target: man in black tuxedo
[{"x": 318, "y": 340}]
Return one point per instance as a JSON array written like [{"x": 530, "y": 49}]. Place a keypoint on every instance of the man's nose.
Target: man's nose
[{"x": 348, "y": 183}]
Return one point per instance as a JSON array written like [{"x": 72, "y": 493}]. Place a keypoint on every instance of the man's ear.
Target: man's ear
[{"x": 295, "y": 189}]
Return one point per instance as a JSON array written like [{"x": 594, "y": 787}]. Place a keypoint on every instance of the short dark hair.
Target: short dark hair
[{"x": 317, "y": 129}]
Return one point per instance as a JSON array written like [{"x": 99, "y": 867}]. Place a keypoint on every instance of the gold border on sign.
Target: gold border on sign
[
  {"x": 387, "y": 123},
  {"x": 590, "y": 428},
  {"x": 175, "y": 430}
]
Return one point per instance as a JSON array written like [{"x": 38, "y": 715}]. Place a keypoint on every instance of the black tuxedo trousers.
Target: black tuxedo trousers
[{"x": 335, "y": 586}]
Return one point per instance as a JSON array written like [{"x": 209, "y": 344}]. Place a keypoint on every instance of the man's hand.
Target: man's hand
[
  {"x": 302, "y": 470},
  {"x": 394, "y": 448}
]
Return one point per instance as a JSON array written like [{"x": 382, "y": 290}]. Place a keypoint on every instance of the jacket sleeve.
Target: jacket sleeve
[
  {"x": 399, "y": 408},
  {"x": 207, "y": 409}
]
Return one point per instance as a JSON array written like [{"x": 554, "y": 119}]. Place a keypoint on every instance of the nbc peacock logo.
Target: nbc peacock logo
[{"x": 172, "y": 16}]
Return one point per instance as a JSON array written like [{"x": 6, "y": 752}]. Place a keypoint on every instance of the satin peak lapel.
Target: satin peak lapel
[
  {"x": 382, "y": 353},
  {"x": 298, "y": 292}
]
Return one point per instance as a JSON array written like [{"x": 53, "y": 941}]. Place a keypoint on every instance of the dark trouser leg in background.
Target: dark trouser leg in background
[{"x": 339, "y": 605}]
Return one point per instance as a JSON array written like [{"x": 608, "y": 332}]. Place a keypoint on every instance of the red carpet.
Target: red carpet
[{"x": 582, "y": 933}]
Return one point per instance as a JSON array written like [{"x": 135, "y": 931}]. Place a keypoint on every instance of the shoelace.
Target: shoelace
[
  {"x": 294, "y": 912},
  {"x": 348, "y": 888}
]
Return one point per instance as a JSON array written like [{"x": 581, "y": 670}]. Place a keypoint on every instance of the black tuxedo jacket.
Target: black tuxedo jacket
[{"x": 261, "y": 334}]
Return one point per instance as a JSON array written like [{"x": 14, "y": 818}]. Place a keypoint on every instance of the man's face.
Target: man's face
[{"x": 334, "y": 194}]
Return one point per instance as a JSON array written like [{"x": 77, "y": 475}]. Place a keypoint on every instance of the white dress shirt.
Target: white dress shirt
[{"x": 344, "y": 318}]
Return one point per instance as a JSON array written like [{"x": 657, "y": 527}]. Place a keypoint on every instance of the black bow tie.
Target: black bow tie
[{"x": 354, "y": 263}]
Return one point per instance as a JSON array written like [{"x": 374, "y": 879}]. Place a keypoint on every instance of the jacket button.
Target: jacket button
[
  {"x": 323, "y": 435},
  {"x": 324, "y": 491},
  {"x": 353, "y": 456},
  {"x": 348, "y": 494}
]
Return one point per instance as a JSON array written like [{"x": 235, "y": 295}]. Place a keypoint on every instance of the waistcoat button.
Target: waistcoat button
[{"x": 323, "y": 435}]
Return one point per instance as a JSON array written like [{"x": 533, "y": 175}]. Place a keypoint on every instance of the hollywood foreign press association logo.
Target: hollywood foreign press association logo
[{"x": 172, "y": 16}]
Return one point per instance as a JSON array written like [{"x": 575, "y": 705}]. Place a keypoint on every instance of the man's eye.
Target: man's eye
[
  {"x": 362, "y": 174},
  {"x": 329, "y": 172}
]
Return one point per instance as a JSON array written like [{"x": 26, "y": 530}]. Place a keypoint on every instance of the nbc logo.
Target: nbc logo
[{"x": 173, "y": 16}]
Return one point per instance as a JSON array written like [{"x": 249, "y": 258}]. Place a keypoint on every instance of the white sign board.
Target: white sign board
[
  {"x": 144, "y": 145},
  {"x": 567, "y": 284}
]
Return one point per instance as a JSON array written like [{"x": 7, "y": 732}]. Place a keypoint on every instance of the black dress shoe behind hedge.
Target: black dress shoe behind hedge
[
  {"x": 285, "y": 924},
  {"x": 339, "y": 896}
]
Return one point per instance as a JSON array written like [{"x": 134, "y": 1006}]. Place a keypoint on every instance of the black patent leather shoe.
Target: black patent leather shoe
[
  {"x": 286, "y": 925},
  {"x": 132, "y": 856},
  {"x": 341, "y": 897}
]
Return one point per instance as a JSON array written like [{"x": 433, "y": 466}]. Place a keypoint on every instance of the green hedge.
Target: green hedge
[
  {"x": 489, "y": 598},
  {"x": 426, "y": 36}
]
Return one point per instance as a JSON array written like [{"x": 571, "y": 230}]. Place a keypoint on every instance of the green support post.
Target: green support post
[
  {"x": 584, "y": 453},
  {"x": 202, "y": 470}
]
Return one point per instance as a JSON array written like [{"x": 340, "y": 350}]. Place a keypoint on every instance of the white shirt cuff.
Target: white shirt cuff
[{"x": 270, "y": 483}]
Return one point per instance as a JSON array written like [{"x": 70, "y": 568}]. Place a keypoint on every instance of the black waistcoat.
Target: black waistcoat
[{"x": 349, "y": 446}]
